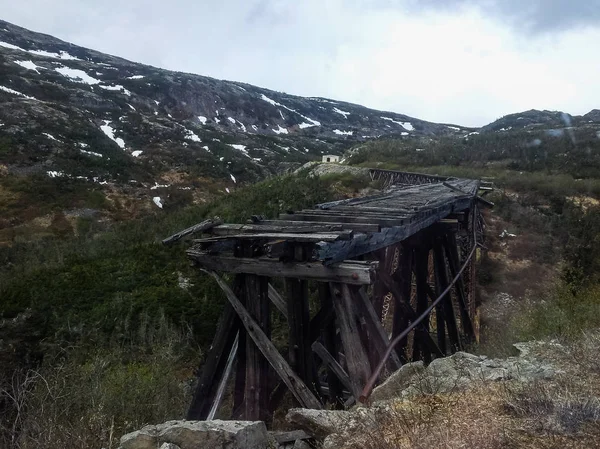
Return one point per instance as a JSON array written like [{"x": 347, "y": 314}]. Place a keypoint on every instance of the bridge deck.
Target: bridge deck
[{"x": 340, "y": 230}]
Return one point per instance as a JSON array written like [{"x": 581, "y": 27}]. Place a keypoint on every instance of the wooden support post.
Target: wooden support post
[
  {"x": 400, "y": 320},
  {"x": 408, "y": 310},
  {"x": 420, "y": 351},
  {"x": 256, "y": 392},
  {"x": 356, "y": 357},
  {"x": 445, "y": 306},
  {"x": 378, "y": 338},
  {"x": 268, "y": 349},
  {"x": 379, "y": 290},
  {"x": 453, "y": 264},
  {"x": 214, "y": 364},
  {"x": 328, "y": 334},
  {"x": 332, "y": 364},
  {"x": 300, "y": 354}
]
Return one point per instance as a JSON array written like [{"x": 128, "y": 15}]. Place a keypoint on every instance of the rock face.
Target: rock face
[
  {"x": 215, "y": 434},
  {"x": 458, "y": 371},
  {"x": 444, "y": 375}
]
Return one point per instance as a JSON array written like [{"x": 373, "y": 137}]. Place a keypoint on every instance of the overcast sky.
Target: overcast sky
[{"x": 459, "y": 61}]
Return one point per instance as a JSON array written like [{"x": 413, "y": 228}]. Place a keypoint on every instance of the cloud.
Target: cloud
[
  {"x": 452, "y": 61},
  {"x": 529, "y": 16}
]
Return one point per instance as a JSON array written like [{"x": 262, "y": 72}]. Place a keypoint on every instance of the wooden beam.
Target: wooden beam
[
  {"x": 420, "y": 348},
  {"x": 378, "y": 337},
  {"x": 349, "y": 272},
  {"x": 357, "y": 227},
  {"x": 453, "y": 264},
  {"x": 277, "y": 300},
  {"x": 356, "y": 357},
  {"x": 259, "y": 227},
  {"x": 329, "y": 336},
  {"x": 403, "y": 277},
  {"x": 214, "y": 365},
  {"x": 268, "y": 349},
  {"x": 291, "y": 237},
  {"x": 256, "y": 395},
  {"x": 200, "y": 227},
  {"x": 441, "y": 274},
  {"x": 300, "y": 355},
  {"x": 332, "y": 364}
]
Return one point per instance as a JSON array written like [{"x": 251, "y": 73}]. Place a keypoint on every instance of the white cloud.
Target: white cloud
[{"x": 461, "y": 64}]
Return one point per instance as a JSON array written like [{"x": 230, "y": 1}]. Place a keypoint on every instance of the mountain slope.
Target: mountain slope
[{"x": 68, "y": 110}]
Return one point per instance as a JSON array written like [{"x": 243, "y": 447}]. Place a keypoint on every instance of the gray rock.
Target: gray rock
[
  {"x": 398, "y": 381},
  {"x": 200, "y": 435},
  {"x": 318, "y": 423},
  {"x": 301, "y": 444},
  {"x": 169, "y": 446}
]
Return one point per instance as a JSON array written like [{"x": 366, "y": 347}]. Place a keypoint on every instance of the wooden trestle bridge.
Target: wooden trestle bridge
[{"x": 349, "y": 277}]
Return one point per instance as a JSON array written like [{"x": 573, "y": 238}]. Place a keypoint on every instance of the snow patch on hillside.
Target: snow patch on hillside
[
  {"x": 202, "y": 119},
  {"x": 14, "y": 92},
  {"x": 157, "y": 201},
  {"x": 110, "y": 133},
  {"x": 406, "y": 125},
  {"x": 339, "y": 111},
  {"x": 136, "y": 153},
  {"x": 343, "y": 133},
  {"x": 279, "y": 130},
  {"x": 239, "y": 147},
  {"x": 191, "y": 135},
  {"x": 274, "y": 103},
  {"x": 117, "y": 87},
  {"x": 76, "y": 75},
  {"x": 29, "y": 65}
]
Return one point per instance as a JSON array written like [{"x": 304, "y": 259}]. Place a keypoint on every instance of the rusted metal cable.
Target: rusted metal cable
[{"x": 371, "y": 382}]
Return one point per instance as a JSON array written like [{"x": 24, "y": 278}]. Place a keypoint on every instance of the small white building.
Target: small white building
[{"x": 331, "y": 158}]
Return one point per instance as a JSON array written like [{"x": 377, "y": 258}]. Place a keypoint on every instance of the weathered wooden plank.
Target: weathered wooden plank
[
  {"x": 200, "y": 227},
  {"x": 364, "y": 243},
  {"x": 356, "y": 357},
  {"x": 356, "y": 227},
  {"x": 349, "y": 273},
  {"x": 268, "y": 349},
  {"x": 329, "y": 337},
  {"x": 378, "y": 337},
  {"x": 300, "y": 355},
  {"x": 400, "y": 321},
  {"x": 332, "y": 364},
  {"x": 313, "y": 237},
  {"x": 420, "y": 348},
  {"x": 277, "y": 300},
  {"x": 256, "y": 395},
  {"x": 441, "y": 274},
  {"x": 310, "y": 216},
  {"x": 258, "y": 228},
  {"x": 453, "y": 264},
  {"x": 224, "y": 379},
  {"x": 214, "y": 365}
]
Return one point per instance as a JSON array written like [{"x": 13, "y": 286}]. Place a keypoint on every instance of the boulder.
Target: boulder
[
  {"x": 199, "y": 435},
  {"x": 318, "y": 423}
]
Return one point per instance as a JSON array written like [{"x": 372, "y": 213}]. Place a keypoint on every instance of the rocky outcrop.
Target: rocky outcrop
[
  {"x": 215, "y": 434},
  {"x": 459, "y": 371},
  {"x": 445, "y": 375}
]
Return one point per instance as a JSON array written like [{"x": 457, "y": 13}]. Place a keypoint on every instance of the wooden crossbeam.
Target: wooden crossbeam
[
  {"x": 268, "y": 349},
  {"x": 355, "y": 273},
  {"x": 200, "y": 227},
  {"x": 290, "y": 237},
  {"x": 260, "y": 227},
  {"x": 278, "y": 301},
  {"x": 332, "y": 364}
]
